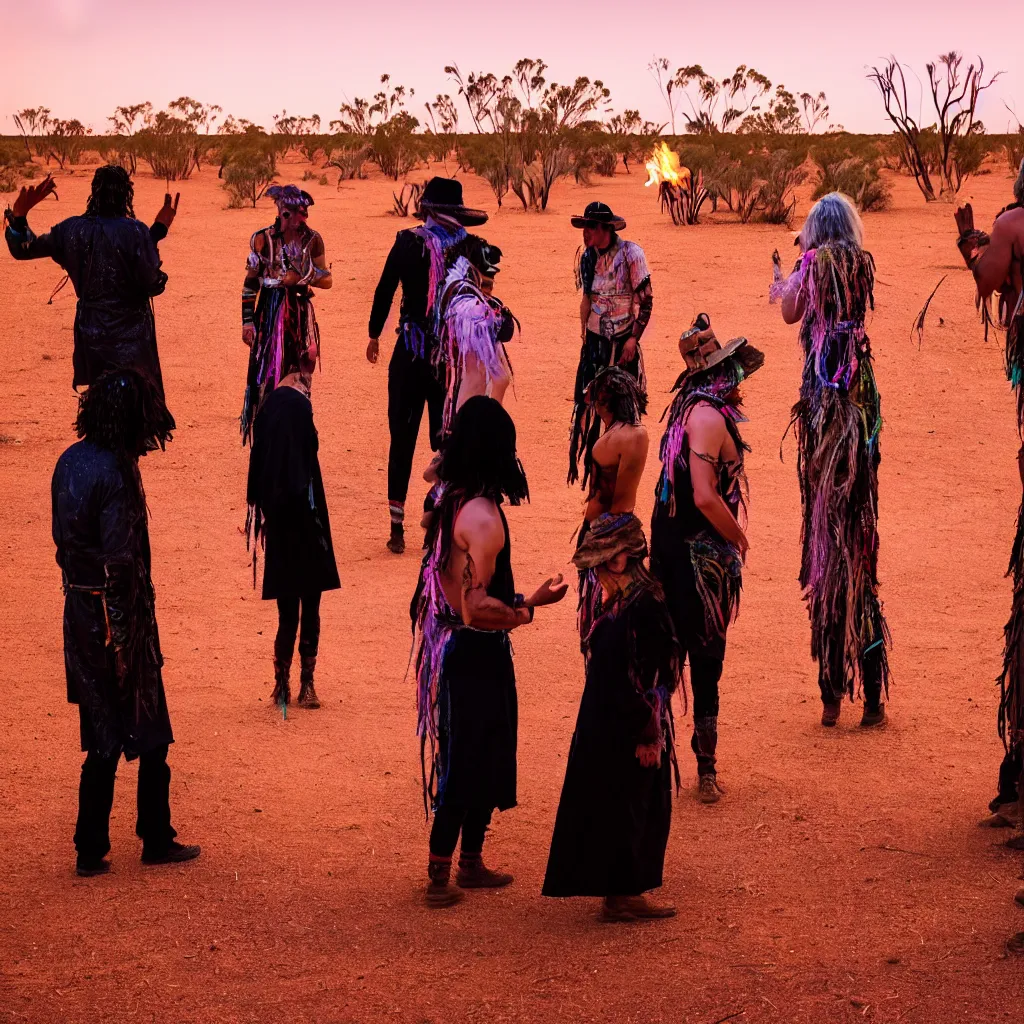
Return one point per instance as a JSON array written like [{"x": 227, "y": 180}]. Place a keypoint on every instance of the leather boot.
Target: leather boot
[
  {"x": 307, "y": 694},
  {"x": 282, "y": 694},
  {"x": 439, "y": 893},
  {"x": 474, "y": 875}
]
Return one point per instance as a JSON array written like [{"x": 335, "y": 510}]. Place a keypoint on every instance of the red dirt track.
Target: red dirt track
[{"x": 843, "y": 878}]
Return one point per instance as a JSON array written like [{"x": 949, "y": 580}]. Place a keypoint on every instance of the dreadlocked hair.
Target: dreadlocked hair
[
  {"x": 620, "y": 392},
  {"x": 479, "y": 460},
  {"x": 112, "y": 193},
  {"x": 124, "y": 412}
]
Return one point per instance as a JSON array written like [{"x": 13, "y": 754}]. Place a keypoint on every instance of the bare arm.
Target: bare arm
[
  {"x": 992, "y": 267},
  {"x": 479, "y": 532},
  {"x": 584, "y": 313},
  {"x": 706, "y": 429}
]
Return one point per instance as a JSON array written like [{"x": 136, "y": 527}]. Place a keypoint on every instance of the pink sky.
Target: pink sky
[{"x": 81, "y": 58}]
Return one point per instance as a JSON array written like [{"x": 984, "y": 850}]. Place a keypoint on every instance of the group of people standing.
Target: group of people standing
[{"x": 644, "y": 612}]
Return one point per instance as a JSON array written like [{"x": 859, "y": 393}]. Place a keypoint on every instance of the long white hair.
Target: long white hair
[{"x": 833, "y": 218}]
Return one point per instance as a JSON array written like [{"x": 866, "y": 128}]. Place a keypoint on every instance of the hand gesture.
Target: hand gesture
[
  {"x": 168, "y": 211},
  {"x": 649, "y": 754},
  {"x": 551, "y": 591},
  {"x": 964, "y": 217},
  {"x": 33, "y": 195},
  {"x": 373, "y": 350},
  {"x": 628, "y": 352},
  {"x": 248, "y": 334}
]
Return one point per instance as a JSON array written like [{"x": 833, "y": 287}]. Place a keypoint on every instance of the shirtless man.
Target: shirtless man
[
  {"x": 997, "y": 262},
  {"x": 697, "y": 539},
  {"x": 464, "y": 608}
]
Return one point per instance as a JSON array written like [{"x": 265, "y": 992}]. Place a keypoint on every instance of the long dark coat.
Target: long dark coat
[
  {"x": 99, "y": 527},
  {"x": 114, "y": 266},
  {"x": 613, "y": 818},
  {"x": 287, "y": 500}
]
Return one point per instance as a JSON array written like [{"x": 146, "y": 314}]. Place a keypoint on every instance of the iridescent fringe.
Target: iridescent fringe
[{"x": 718, "y": 572}]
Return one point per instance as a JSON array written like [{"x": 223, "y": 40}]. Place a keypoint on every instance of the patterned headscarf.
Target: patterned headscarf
[{"x": 290, "y": 195}]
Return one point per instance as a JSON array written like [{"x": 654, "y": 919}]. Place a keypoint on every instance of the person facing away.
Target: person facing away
[
  {"x": 838, "y": 423},
  {"x": 111, "y": 646},
  {"x": 698, "y": 543},
  {"x": 419, "y": 261},
  {"x": 113, "y": 263},
  {"x": 463, "y": 610},
  {"x": 612, "y": 825},
  {"x": 288, "y": 517}
]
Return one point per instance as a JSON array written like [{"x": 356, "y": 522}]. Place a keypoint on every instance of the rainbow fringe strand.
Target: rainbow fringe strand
[{"x": 838, "y": 421}]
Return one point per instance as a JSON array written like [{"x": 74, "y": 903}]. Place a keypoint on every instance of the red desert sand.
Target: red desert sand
[{"x": 842, "y": 878}]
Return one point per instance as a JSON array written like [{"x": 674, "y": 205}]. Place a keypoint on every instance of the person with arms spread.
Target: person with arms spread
[{"x": 112, "y": 261}]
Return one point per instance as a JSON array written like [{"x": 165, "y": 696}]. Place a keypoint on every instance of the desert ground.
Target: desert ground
[{"x": 842, "y": 878}]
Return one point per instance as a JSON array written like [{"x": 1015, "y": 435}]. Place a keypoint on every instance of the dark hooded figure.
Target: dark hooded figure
[
  {"x": 613, "y": 817},
  {"x": 288, "y": 516},
  {"x": 112, "y": 260},
  {"x": 111, "y": 646}
]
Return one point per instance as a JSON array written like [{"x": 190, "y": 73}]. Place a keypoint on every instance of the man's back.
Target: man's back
[{"x": 619, "y": 458}]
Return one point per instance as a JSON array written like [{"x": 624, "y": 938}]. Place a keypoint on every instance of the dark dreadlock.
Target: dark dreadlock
[
  {"x": 112, "y": 193},
  {"x": 618, "y": 391},
  {"x": 124, "y": 413}
]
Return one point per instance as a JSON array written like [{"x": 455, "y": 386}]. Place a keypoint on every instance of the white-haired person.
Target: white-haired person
[{"x": 838, "y": 420}]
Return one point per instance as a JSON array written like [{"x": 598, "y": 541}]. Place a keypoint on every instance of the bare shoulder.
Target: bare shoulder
[
  {"x": 1010, "y": 221},
  {"x": 478, "y": 520},
  {"x": 705, "y": 420}
]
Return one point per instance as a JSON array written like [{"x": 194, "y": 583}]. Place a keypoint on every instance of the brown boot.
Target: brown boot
[
  {"x": 872, "y": 717},
  {"x": 307, "y": 695},
  {"x": 439, "y": 893},
  {"x": 1015, "y": 943},
  {"x": 633, "y": 908},
  {"x": 473, "y": 875},
  {"x": 830, "y": 714},
  {"x": 1016, "y": 842},
  {"x": 282, "y": 694}
]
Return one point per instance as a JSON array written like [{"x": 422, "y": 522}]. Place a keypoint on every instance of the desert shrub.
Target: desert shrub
[
  {"x": 1014, "y": 150},
  {"x": 348, "y": 154},
  {"x": 248, "y": 166},
  {"x": 846, "y": 166},
  {"x": 66, "y": 141},
  {"x": 783, "y": 172},
  {"x": 169, "y": 144},
  {"x": 322, "y": 180},
  {"x": 489, "y": 156},
  {"x": 741, "y": 186}
]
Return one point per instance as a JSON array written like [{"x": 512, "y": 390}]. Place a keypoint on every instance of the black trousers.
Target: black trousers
[
  {"x": 832, "y": 665},
  {"x": 449, "y": 821},
  {"x": 289, "y": 610},
  {"x": 703, "y": 648},
  {"x": 1011, "y": 772},
  {"x": 411, "y": 384},
  {"x": 96, "y": 797}
]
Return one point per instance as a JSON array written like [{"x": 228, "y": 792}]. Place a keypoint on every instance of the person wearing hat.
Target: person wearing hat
[
  {"x": 612, "y": 825},
  {"x": 615, "y": 310},
  {"x": 419, "y": 261},
  {"x": 838, "y": 423},
  {"x": 698, "y": 544},
  {"x": 279, "y": 326}
]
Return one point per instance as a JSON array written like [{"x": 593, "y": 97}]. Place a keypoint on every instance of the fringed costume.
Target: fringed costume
[
  {"x": 612, "y": 825},
  {"x": 474, "y": 327},
  {"x": 288, "y": 517},
  {"x": 419, "y": 261},
  {"x": 282, "y": 315},
  {"x": 838, "y": 421},
  {"x": 699, "y": 570},
  {"x": 618, "y": 283}
]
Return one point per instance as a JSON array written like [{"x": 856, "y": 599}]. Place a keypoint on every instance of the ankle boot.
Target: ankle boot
[
  {"x": 439, "y": 893},
  {"x": 307, "y": 694},
  {"x": 474, "y": 875},
  {"x": 282, "y": 691}
]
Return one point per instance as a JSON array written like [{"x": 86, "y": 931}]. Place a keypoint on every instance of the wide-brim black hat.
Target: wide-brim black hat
[
  {"x": 444, "y": 196},
  {"x": 599, "y": 215}
]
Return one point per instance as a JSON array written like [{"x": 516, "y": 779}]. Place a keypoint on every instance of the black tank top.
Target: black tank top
[{"x": 502, "y": 586}]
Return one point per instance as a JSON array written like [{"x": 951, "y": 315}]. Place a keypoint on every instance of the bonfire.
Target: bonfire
[{"x": 674, "y": 182}]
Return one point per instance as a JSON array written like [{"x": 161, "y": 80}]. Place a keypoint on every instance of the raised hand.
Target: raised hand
[
  {"x": 33, "y": 195},
  {"x": 964, "y": 217},
  {"x": 169, "y": 210},
  {"x": 776, "y": 266}
]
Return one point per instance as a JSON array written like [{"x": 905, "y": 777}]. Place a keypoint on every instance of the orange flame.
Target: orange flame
[{"x": 664, "y": 167}]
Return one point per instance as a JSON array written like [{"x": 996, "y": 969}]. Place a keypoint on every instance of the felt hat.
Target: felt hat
[
  {"x": 702, "y": 351},
  {"x": 444, "y": 196},
  {"x": 599, "y": 215}
]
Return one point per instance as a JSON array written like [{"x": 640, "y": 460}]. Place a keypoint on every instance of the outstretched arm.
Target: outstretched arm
[{"x": 21, "y": 242}]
